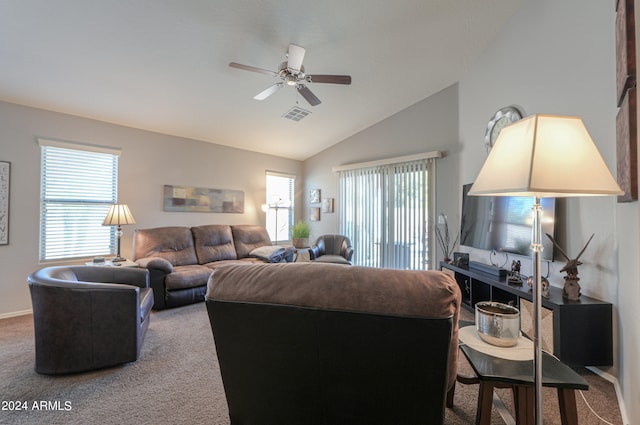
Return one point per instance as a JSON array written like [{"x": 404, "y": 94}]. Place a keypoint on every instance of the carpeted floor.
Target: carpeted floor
[{"x": 177, "y": 381}]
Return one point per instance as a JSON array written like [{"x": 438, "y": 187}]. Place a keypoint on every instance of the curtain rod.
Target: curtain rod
[{"x": 387, "y": 161}]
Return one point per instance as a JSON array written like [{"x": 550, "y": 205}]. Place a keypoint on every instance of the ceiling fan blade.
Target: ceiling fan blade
[
  {"x": 333, "y": 79},
  {"x": 253, "y": 69},
  {"x": 308, "y": 95},
  {"x": 295, "y": 57},
  {"x": 268, "y": 92}
]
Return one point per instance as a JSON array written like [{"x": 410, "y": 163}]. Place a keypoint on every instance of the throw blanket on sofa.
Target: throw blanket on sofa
[{"x": 271, "y": 254}]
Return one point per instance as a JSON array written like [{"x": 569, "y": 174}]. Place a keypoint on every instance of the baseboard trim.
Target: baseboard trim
[
  {"x": 616, "y": 385},
  {"x": 15, "y": 314}
]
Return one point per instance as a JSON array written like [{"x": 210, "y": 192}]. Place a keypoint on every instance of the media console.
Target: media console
[{"x": 579, "y": 333}]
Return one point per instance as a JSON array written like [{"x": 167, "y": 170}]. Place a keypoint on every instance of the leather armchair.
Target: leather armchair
[
  {"x": 317, "y": 343},
  {"x": 88, "y": 317},
  {"x": 332, "y": 249}
]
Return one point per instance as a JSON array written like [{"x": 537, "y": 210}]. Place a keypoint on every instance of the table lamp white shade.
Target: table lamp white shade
[
  {"x": 118, "y": 215},
  {"x": 546, "y": 156},
  {"x": 543, "y": 156}
]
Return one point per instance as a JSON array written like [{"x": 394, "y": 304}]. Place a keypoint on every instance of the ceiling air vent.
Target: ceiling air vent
[{"x": 296, "y": 114}]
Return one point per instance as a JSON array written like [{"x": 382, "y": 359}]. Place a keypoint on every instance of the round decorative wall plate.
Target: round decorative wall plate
[{"x": 502, "y": 118}]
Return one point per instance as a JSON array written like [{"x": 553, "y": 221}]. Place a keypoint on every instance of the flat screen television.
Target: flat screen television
[{"x": 503, "y": 223}]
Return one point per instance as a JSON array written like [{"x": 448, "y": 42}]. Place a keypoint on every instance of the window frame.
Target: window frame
[{"x": 78, "y": 184}]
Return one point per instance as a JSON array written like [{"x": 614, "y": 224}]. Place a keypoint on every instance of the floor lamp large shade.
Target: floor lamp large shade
[{"x": 544, "y": 156}]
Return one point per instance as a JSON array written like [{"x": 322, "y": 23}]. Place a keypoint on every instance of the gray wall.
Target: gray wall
[
  {"x": 429, "y": 125},
  {"x": 558, "y": 57},
  {"x": 148, "y": 162}
]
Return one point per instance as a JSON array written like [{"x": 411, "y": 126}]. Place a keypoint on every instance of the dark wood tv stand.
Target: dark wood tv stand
[{"x": 579, "y": 333}]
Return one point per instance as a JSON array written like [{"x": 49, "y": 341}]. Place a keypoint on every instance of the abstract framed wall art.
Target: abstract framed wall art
[
  {"x": 5, "y": 175},
  {"x": 198, "y": 199}
]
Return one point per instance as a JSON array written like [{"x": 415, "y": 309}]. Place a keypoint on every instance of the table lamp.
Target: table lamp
[
  {"x": 118, "y": 215},
  {"x": 543, "y": 156}
]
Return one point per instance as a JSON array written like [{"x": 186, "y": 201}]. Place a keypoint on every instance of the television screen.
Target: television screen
[{"x": 503, "y": 223}]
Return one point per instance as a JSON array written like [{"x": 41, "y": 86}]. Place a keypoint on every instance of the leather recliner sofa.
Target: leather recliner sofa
[
  {"x": 313, "y": 343},
  {"x": 88, "y": 317},
  {"x": 181, "y": 259}
]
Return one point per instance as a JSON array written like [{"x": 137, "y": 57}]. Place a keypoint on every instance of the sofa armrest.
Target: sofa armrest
[
  {"x": 155, "y": 263},
  {"x": 314, "y": 252},
  {"x": 348, "y": 253}
]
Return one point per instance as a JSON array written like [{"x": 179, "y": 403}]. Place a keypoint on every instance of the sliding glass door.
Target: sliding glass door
[{"x": 385, "y": 211}]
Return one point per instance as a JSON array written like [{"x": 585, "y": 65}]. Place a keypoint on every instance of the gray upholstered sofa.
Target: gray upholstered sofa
[
  {"x": 318, "y": 343},
  {"x": 180, "y": 259}
]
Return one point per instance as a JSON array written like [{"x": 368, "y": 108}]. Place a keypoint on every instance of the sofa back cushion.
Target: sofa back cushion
[
  {"x": 213, "y": 243},
  {"x": 174, "y": 244},
  {"x": 247, "y": 237}
]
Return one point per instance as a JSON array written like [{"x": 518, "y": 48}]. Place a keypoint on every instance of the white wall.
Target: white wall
[
  {"x": 558, "y": 57},
  {"x": 429, "y": 125},
  {"x": 148, "y": 162}
]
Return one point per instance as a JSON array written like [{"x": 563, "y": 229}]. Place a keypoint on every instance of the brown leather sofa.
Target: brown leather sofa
[
  {"x": 313, "y": 343},
  {"x": 88, "y": 317},
  {"x": 180, "y": 259}
]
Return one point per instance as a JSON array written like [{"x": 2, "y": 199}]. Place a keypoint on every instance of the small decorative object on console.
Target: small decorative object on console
[
  {"x": 514, "y": 276},
  {"x": 442, "y": 233},
  {"x": 571, "y": 288},
  {"x": 461, "y": 259},
  {"x": 545, "y": 285}
]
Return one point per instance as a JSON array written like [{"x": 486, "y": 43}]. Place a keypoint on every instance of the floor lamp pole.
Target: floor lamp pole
[
  {"x": 536, "y": 247},
  {"x": 276, "y": 208}
]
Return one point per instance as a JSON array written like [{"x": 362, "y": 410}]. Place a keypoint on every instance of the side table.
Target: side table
[
  {"x": 495, "y": 372},
  {"x": 302, "y": 255}
]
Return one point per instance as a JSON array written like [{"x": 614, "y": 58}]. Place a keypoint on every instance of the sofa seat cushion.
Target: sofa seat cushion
[
  {"x": 187, "y": 277},
  {"x": 213, "y": 243},
  {"x": 248, "y": 260},
  {"x": 335, "y": 259}
]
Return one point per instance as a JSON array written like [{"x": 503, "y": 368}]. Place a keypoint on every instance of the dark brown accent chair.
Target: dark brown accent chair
[
  {"x": 88, "y": 317},
  {"x": 314, "y": 343},
  {"x": 332, "y": 249}
]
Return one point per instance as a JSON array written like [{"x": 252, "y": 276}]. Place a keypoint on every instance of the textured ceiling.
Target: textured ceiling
[{"x": 162, "y": 65}]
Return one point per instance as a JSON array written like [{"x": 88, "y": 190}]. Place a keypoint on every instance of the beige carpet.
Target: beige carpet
[{"x": 177, "y": 381}]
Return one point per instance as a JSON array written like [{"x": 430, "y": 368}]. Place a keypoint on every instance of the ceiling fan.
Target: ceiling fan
[{"x": 292, "y": 73}]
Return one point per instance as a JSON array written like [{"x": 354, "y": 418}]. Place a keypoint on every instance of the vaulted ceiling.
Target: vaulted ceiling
[{"x": 163, "y": 65}]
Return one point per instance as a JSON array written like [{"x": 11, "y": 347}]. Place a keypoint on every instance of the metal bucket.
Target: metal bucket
[{"x": 497, "y": 323}]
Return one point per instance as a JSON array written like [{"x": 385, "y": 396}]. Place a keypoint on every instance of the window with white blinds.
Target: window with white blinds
[
  {"x": 385, "y": 210},
  {"x": 78, "y": 185},
  {"x": 279, "y": 207}
]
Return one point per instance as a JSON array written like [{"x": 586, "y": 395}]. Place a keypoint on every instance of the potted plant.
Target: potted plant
[{"x": 300, "y": 234}]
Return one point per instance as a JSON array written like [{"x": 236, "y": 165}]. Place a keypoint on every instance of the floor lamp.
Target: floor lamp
[
  {"x": 543, "y": 156},
  {"x": 118, "y": 215},
  {"x": 278, "y": 205}
]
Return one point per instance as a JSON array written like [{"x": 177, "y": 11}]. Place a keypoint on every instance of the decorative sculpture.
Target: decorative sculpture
[
  {"x": 514, "y": 276},
  {"x": 571, "y": 288}
]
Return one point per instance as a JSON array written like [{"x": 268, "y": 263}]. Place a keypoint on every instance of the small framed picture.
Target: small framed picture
[
  {"x": 327, "y": 205},
  {"x": 314, "y": 214},
  {"x": 314, "y": 196}
]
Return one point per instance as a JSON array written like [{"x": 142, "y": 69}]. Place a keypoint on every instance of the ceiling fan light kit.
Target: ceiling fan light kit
[{"x": 292, "y": 73}]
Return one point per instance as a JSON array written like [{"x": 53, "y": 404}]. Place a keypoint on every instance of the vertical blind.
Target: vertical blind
[
  {"x": 384, "y": 209},
  {"x": 76, "y": 190}
]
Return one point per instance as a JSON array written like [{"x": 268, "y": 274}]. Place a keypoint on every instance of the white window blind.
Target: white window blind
[
  {"x": 279, "y": 206},
  {"x": 385, "y": 210},
  {"x": 78, "y": 185}
]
